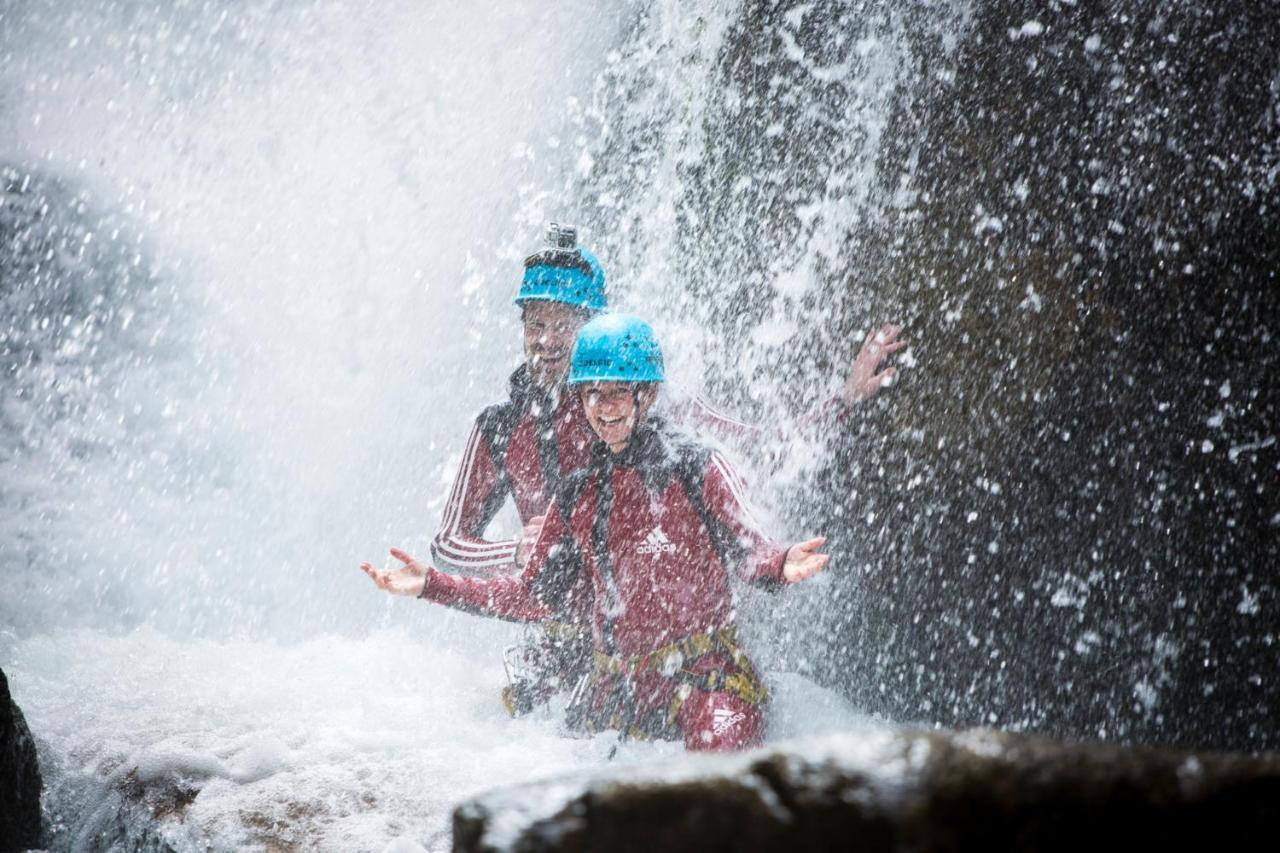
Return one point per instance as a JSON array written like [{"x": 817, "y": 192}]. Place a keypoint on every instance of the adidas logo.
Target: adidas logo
[
  {"x": 722, "y": 719},
  {"x": 656, "y": 543}
]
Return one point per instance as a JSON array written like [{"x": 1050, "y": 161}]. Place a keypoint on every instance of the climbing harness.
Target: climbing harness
[{"x": 673, "y": 661}]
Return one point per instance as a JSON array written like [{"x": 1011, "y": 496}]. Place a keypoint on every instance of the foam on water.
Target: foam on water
[{"x": 331, "y": 743}]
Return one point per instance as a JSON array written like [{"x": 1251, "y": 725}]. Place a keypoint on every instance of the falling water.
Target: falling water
[{"x": 257, "y": 262}]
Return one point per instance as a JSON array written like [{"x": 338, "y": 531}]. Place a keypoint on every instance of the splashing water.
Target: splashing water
[
  {"x": 332, "y": 220},
  {"x": 258, "y": 263},
  {"x": 258, "y": 271}
]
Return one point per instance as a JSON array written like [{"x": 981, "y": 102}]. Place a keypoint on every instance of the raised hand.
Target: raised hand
[
  {"x": 408, "y": 580},
  {"x": 803, "y": 560},
  {"x": 863, "y": 380},
  {"x": 528, "y": 536}
]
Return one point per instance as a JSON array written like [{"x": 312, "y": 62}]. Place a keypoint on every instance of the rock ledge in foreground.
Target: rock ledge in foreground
[
  {"x": 896, "y": 790},
  {"x": 20, "y": 781}
]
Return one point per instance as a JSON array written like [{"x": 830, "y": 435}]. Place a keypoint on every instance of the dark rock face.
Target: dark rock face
[
  {"x": 1089, "y": 259},
  {"x": 882, "y": 790},
  {"x": 20, "y": 782},
  {"x": 1063, "y": 517}
]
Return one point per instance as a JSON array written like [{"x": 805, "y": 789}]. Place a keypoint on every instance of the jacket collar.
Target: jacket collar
[
  {"x": 653, "y": 452},
  {"x": 526, "y": 395}
]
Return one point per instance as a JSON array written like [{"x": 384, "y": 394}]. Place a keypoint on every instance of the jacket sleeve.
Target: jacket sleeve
[
  {"x": 479, "y": 489},
  {"x": 767, "y": 443},
  {"x": 726, "y": 499},
  {"x": 510, "y": 597},
  {"x": 694, "y": 412}
]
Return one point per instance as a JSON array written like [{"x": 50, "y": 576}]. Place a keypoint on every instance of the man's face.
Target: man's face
[
  {"x": 549, "y": 332},
  {"x": 614, "y": 408}
]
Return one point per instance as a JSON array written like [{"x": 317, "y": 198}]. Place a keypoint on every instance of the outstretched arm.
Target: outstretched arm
[
  {"x": 506, "y": 597},
  {"x": 864, "y": 380},
  {"x": 764, "y": 561}
]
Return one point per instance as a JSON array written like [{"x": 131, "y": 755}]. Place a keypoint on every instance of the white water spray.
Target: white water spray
[{"x": 327, "y": 207}]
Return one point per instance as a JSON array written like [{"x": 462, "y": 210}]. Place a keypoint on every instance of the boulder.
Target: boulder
[
  {"x": 20, "y": 782},
  {"x": 896, "y": 790}
]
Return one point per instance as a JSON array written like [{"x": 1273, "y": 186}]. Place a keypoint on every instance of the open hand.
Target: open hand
[
  {"x": 528, "y": 536},
  {"x": 863, "y": 380},
  {"x": 804, "y": 561},
  {"x": 409, "y": 579}
]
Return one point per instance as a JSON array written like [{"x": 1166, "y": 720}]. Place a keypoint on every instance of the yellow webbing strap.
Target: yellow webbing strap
[{"x": 561, "y": 630}]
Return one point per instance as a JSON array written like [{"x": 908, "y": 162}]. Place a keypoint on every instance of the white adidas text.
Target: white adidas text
[
  {"x": 722, "y": 719},
  {"x": 656, "y": 543}
]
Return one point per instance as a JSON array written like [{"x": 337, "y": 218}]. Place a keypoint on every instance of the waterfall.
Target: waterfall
[
  {"x": 258, "y": 281},
  {"x": 256, "y": 264},
  {"x": 1059, "y": 520}
]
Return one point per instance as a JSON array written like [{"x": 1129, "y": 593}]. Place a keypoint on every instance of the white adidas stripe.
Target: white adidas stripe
[
  {"x": 459, "y": 483},
  {"x": 721, "y": 416},
  {"x": 738, "y": 491},
  {"x": 682, "y": 395},
  {"x": 462, "y": 552}
]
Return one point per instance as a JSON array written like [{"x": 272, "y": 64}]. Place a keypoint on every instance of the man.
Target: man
[
  {"x": 654, "y": 524},
  {"x": 525, "y": 446}
]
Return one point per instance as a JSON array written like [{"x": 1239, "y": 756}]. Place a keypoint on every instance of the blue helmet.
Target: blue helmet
[
  {"x": 616, "y": 348},
  {"x": 563, "y": 272}
]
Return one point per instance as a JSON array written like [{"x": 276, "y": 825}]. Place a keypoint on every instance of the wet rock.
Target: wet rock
[
  {"x": 897, "y": 790},
  {"x": 20, "y": 781},
  {"x": 1088, "y": 260},
  {"x": 1061, "y": 517}
]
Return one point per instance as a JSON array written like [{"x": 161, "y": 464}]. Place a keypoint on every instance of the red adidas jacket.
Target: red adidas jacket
[
  {"x": 522, "y": 447},
  {"x": 525, "y": 447},
  {"x": 655, "y": 530}
]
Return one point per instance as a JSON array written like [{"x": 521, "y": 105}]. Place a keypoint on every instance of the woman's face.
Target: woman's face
[{"x": 614, "y": 408}]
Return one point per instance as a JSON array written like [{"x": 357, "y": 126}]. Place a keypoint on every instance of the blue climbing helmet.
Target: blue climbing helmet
[
  {"x": 616, "y": 348},
  {"x": 563, "y": 272}
]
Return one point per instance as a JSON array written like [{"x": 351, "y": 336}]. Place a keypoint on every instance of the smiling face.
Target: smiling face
[
  {"x": 614, "y": 408},
  {"x": 549, "y": 332}
]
